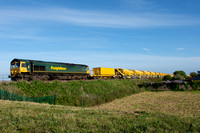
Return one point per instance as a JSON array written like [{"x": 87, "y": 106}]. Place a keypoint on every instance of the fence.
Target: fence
[{"x": 4, "y": 95}]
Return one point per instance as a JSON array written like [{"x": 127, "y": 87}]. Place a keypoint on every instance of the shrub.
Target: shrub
[
  {"x": 173, "y": 86},
  {"x": 195, "y": 85},
  {"x": 167, "y": 77},
  {"x": 193, "y": 74},
  {"x": 179, "y": 75}
]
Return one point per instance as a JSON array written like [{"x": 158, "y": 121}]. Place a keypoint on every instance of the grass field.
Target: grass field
[
  {"x": 172, "y": 103},
  {"x": 142, "y": 112}
]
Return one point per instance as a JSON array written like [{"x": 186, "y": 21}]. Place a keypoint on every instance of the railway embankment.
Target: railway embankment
[
  {"x": 94, "y": 92},
  {"x": 75, "y": 93}
]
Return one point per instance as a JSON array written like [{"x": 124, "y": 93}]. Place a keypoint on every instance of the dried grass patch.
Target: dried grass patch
[{"x": 174, "y": 103}]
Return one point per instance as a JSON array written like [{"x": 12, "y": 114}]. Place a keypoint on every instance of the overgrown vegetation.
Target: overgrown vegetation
[
  {"x": 185, "y": 86},
  {"x": 179, "y": 75},
  {"x": 167, "y": 77},
  {"x": 193, "y": 74},
  {"x": 76, "y": 93}
]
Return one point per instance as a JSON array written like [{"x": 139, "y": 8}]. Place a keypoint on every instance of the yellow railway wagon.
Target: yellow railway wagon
[
  {"x": 147, "y": 74},
  {"x": 126, "y": 71},
  {"x": 103, "y": 72},
  {"x": 162, "y": 75},
  {"x": 141, "y": 74},
  {"x": 158, "y": 75},
  {"x": 138, "y": 73},
  {"x": 165, "y": 74},
  {"x": 153, "y": 74}
]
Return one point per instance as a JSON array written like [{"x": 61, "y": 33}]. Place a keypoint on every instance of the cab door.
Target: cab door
[{"x": 23, "y": 67}]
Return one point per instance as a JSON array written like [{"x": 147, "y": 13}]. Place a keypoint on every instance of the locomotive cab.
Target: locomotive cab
[{"x": 17, "y": 67}]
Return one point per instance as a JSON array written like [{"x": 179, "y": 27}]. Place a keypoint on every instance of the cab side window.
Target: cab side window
[{"x": 24, "y": 65}]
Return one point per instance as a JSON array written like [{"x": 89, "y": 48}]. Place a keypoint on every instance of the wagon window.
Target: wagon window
[{"x": 39, "y": 68}]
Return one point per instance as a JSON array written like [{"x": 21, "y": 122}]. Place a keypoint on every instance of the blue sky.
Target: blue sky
[{"x": 153, "y": 35}]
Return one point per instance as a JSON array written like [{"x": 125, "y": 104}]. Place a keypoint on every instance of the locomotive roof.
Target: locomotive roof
[{"x": 47, "y": 62}]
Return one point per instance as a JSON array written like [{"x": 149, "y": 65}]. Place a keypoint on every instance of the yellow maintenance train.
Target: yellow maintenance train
[
  {"x": 102, "y": 72},
  {"x": 34, "y": 69}
]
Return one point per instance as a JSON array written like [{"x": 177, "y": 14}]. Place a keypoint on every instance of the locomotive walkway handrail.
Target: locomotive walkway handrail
[{"x": 4, "y": 95}]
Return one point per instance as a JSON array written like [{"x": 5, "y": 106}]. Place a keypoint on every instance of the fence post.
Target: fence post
[{"x": 0, "y": 94}]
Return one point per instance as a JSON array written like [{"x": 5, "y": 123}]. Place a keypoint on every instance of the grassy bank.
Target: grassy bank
[
  {"x": 76, "y": 93},
  {"x": 143, "y": 112},
  {"x": 182, "y": 104}
]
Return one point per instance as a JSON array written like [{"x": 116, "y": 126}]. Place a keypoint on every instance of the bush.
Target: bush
[
  {"x": 179, "y": 75},
  {"x": 167, "y": 77},
  {"x": 193, "y": 74},
  {"x": 195, "y": 85}
]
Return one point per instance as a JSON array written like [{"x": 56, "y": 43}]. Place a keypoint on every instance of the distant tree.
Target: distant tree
[
  {"x": 167, "y": 77},
  {"x": 193, "y": 74},
  {"x": 179, "y": 75}
]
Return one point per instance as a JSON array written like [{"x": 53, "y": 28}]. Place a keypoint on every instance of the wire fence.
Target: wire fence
[{"x": 4, "y": 95}]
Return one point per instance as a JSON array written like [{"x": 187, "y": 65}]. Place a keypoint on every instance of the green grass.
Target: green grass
[
  {"x": 129, "y": 114},
  {"x": 76, "y": 93},
  {"x": 169, "y": 111}
]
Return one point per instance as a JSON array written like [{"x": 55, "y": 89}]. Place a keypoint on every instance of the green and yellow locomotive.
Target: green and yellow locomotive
[{"x": 34, "y": 69}]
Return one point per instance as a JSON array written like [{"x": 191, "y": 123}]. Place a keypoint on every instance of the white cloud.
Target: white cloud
[
  {"x": 93, "y": 18},
  {"x": 180, "y": 49},
  {"x": 146, "y": 49}
]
